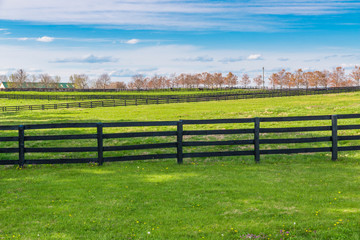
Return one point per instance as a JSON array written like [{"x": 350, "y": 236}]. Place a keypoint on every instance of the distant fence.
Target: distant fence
[
  {"x": 134, "y": 100},
  {"x": 179, "y": 144}
]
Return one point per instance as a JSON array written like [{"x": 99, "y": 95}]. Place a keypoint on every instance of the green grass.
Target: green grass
[
  {"x": 212, "y": 198},
  {"x": 22, "y": 102},
  {"x": 309, "y": 198},
  {"x": 267, "y": 107},
  {"x": 152, "y": 92}
]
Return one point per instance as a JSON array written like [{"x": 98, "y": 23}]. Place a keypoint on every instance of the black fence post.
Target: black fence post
[
  {"x": 257, "y": 140},
  {"x": 21, "y": 146},
  {"x": 100, "y": 143},
  {"x": 179, "y": 142},
  {"x": 334, "y": 138}
]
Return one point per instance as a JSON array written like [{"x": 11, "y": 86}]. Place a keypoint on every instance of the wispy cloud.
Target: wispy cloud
[
  {"x": 282, "y": 59},
  {"x": 331, "y": 56},
  {"x": 195, "y": 59},
  {"x": 232, "y": 59},
  {"x": 131, "y": 72},
  {"x": 45, "y": 39},
  {"x": 86, "y": 59},
  {"x": 312, "y": 60},
  {"x": 254, "y": 15}
]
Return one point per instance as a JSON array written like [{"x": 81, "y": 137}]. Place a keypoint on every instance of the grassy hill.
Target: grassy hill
[{"x": 305, "y": 196}]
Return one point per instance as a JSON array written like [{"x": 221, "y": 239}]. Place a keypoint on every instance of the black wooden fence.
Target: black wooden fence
[
  {"x": 133, "y": 100},
  {"x": 179, "y": 145}
]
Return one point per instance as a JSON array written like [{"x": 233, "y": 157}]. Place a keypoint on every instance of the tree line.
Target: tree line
[{"x": 279, "y": 80}]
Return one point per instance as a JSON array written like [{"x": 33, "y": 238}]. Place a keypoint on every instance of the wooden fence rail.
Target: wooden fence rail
[
  {"x": 131, "y": 100},
  {"x": 179, "y": 144}
]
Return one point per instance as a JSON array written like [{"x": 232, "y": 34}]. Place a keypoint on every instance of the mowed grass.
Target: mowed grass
[
  {"x": 22, "y": 102},
  {"x": 304, "y": 196},
  {"x": 149, "y": 92}
]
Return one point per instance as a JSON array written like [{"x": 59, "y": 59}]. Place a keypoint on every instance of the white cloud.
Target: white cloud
[
  {"x": 133, "y": 41},
  {"x": 23, "y": 39},
  {"x": 232, "y": 59},
  {"x": 3, "y": 29},
  {"x": 254, "y": 57},
  {"x": 45, "y": 39},
  {"x": 195, "y": 59},
  {"x": 254, "y": 15},
  {"x": 87, "y": 59},
  {"x": 282, "y": 59}
]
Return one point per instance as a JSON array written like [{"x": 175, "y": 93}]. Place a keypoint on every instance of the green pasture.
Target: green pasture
[
  {"x": 22, "y": 102},
  {"x": 149, "y": 92},
  {"x": 303, "y": 196}
]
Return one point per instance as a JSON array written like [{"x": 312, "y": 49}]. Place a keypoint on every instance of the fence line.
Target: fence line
[
  {"x": 131, "y": 100},
  {"x": 277, "y": 92},
  {"x": 180, "y": 143}
]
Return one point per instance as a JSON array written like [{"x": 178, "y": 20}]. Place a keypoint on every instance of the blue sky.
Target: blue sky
[{"x": 123, "y": 38}]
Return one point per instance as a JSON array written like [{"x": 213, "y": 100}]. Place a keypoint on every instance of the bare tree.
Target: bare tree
[
  {"x": 46, "y": 80},
  {"x": 258, "y": 81},
  {"x": 218, "y": 79},
  {"x": 282, "y": 78},
  {"x": 231, "y": 80},
  {"x": 103, "y": 81},
  {"x": 337, "y": 77},
  {"x": 245, "y": 80},
  {"x": 274, "y": 80},
  {"x": 3, "y": 78},
  {"x": 298, "y": 78},
  {"x": 80, "y": 81},
  {"x": 138, "y": 82},
  {"x": 289, "y": 80},
  {"x": 355, "y": 75},
  {"x": 117, "y": 85},
  {"x": 18, "y": 79}
]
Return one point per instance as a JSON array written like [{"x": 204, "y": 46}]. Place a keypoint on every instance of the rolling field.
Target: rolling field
[{"x": 303, "y": 196}]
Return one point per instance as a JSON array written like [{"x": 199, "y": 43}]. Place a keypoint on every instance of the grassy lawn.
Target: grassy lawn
[
  {"x": 299, "y": 198},
  {"x": 151, "y": 92},
  {"x": 304, "y": 196},
  {"x": 22, "y": 102}
]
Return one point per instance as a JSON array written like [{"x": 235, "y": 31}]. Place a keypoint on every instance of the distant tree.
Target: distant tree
[
  {"x": 258, "y": 81},
  {"x": 298, "y": 78},
  {"x": 323, "y": 78},
  {"x": 355, "y": 75},
  {"x": 337, "y": 77},
  {"x": 231, "y": 80},
  {"x": 3, "y": 78},
  {"x": 245, "y": 80},
  {"x": 171, "y": 80},
  {"x": 18, "y": 79},
  {"x": 206, "y": 79},
  {"x": 46, "y": 80},
  {"x": 56, "y": 81},
  {"x": 103, "y": 81},
  {"x": 281, "y": 78},
  {"x": 33, "y": 78},
  {"x": 307, "y": 76},
  {"x": 218, "y": 79},
  {"x": 274, "y": 80},
  {"x": 80, "y": 81},
  {"x": 117, "y": 85},
  {"x": 289, "y": 80},
  {"x": 139, "y": 82}
]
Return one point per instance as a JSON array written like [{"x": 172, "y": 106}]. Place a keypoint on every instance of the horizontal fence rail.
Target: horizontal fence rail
[
  {"x": 181, "y": 142},
  {"x": 134, "y": 100}
]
